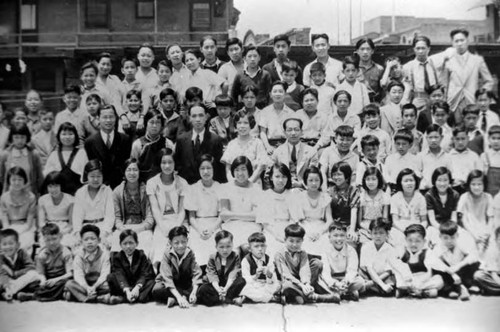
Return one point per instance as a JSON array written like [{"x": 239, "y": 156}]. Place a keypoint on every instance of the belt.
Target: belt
[{"x": 92, "y": 221}]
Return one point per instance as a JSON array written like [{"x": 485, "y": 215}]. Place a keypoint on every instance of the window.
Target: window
[
  {"x": 28, "y": 16},
  {"x": 144, "y": 9},
  {"x": 97, "y": 14},
  {"x": 200, "y": 15}
]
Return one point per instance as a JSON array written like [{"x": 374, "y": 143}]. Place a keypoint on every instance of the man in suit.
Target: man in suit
[
  {"x": 281, "y": 48},
  {"x": 109, "y": 146},
  {"x": 296, "y": 155},
  {"x": 461, "y": 73},
  {"x": 193, "y": 144}
]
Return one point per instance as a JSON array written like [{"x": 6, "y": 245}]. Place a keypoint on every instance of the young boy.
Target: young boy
[
  {"x": 418, "y": 260},
  {"x": 409, "y": 118},
  {"x": 462, "y": 159},
  {"x": 129, "y": 69},
  {"x": 390, "y": 114},
  {"x": 45, "y": 140},
  {"x": 476, "y": 137},
  {"x": 358, "y": 90},
  {"x": 370, "y": 157},
  {"x": 259, "y": 272},
  {"x": 249, "y": 98},
  {"x": 223, "y": 124},
  {"x": 340, "y": 151},
  {"x": 456, "y": 264},
  {"x": 488, "y": 276},
  {"x": 325, "y": 91},
  {"x": 88, "y": 76},
  {"x": 17, "y": 270},
  {"x": 89, "y": 123},
  {"x": 491, "y": 160},
  {"x": 223, "y": 273},
  {"x": 299, "y": 274},
  {"x": 340, "y": 266},
  {"x": 180, "y": 275},
  {"x": 72, "y": 113},
  {"x": 371, "y": 119},
  {"x": 378, "y": 260},
  {"x": 91, "y": 268},
  {"x": 293, "y": 97},
  {"x": 151, "y": 97},
  {"x": 54, "y": 263},
  {"x": 440, "y": 114},
  {"x": 401, "y": 159},
  {"x": 433, "y": 157}
]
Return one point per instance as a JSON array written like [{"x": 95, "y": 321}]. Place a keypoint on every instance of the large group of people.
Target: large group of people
[{"x": 197, "y": 181}]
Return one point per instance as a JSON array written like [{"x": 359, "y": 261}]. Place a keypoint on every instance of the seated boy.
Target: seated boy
[
  {"x": 340, "y": 266},
  {"x": 488, "y": 275},
  {"x": 371, "y": 119},
  {"x": 224, "y": 274},
  {"x": 409, "y": 118},
  {"x": 223, "y": 124},
  {"x": 259, "y": 272},
  {"x": 17, "y": 270},
  {"x": 370, "y": 151},
  {"x": 91, "y": 268},
  {"x": 455, "y": 262},
  {"x": 419, "y": 264},
  {"x": 378, "y": 261},
  {"x": 298, "y": 272},
  {"x": 180, "y": 275}
]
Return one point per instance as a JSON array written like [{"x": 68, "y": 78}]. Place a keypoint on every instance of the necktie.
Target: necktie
[
  {"x": 427, "y": 84},
  {"x": 197, "y": 144},
  {"x": 484, "y": 124},
  {"x": 108, "y": 140},
  {"x": 294, "y": 154}
]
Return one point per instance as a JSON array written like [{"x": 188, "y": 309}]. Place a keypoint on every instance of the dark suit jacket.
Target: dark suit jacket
[
  {"x": 187, "y": 163},
  {"x": 127, "y": 275},
  {"x": 231, "y": 271},
  {"x": 271, "y": 69},
  {"x": 112, "y": 159}
]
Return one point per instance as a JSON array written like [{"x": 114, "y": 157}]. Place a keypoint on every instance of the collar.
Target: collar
[
  {"x": 454, "y": 151},
  {"x": 205, "y": 64},
  {"x": 19, "y": 153},
  {"x": 105, "y": 136},
  {"x": 342, "y": 252},
  {"x": 13, "y": 259},
  {"x": 293, "y": 253},
  {"x": 202, "y": 134},
  {"x": 183, "y": 68},
  {"x": 179, "y": 259},
  {"x": 90, "y": 257},
  {"x": 250, "y": 75},
  {"x": 172, "y": 118},
  {"x": 370, "y": 65},
  {"x": 439, "y": 154},
  {"x": 291, "y": 87},
  {"x": 263, "y": 259}
]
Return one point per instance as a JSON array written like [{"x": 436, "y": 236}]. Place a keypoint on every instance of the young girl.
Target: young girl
[
  {"x": 67, "y": 159},
  {"x": 132, "y": 209},
  {"x": 57, "y": 207},
  {"x": 345, "y": 198},
  {"x": 341, "y": 113},
  {"x": 132, "y": 121},
  {"x": 272, "y": 118},
  {"x": 33, "y": 104},
  {"x": 94, "y": 203},
  {"x": 202, "y": 201},
  {"x": 89, "y": 123},
  {"x": 475, "y": 210},
  {"x": 249, "y": 98},
  {"x": 314, "y": 211},
  {"x": 132, "y": 277},
  {"x": 245, "y": 145},
  {"x": 373, "y": 203},
  {"x": 274, "y": 207},
  {"x": 407, "y": 206},
  {"x": 166, "y": 192},
  {"x": 146, "y": 74},
  {"x": 238, "y": 202},
  {"x": 18, "y": 207},
  {"x": 19, "y": 153}
]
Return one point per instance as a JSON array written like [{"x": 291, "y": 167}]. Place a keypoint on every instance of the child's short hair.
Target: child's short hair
[
  {"x": 316, "y": 36},
  {"x": 309, "y": 91},
  {"x": 495, "y": 129},
  {"x": 373, "y": 171},
  {"x": 53, "y": 178},
  {"x": 89, "y": 65},
  {"x": 223, "y": 234},
  {"x": 290, "y": 65},
  {"x": 233, "y": 41},
  {"x": 336, "y": 226},
  {"x": 344, "y": 131},
  {"x": 90, "y": 166},
  {"x": 151, "y": 113},
  {"x": 282, "y": 37},
  {"x": 249, "y": 88},
  {"x": 128, "y": 232},
  {"x": 4, "y": 233},
  {"x": 134, "y": 92},
  {"x": 459, "y": 30},
  {"x": 19, "y": 171},
  {"x": 295, "y": 230},
  {"x": 299, "y": 121},
  {"x": 317, "y": 67},
  {"x": 196, "y": 52},
  {"x": 371, "y": 109},
  {"x": 394, "y": 83},
  {"x": 224, "y": 101},
  {"x": 475, "y": 174},
  {"x": 433, "y": 127},
  {"x": 51, "y": 229},
  {"x": 415, "y": 229},
  {"x": 440, "y": 105},
  {"x": 129, "y": 59},
  {"x": 448, "y": 228},
  {"x": 350, "y": 60},
  {"x": 344, "y": 168},
  {"x": 470, "y": 109},
  {"x": 193, "y": 93},
  {"x": 403, "y": 173},
  {"x": 242, "y": 160},
  {"x": 93, "y": 96},
  {"x": 67, "y": 126},
  {"x": 72, "y": 88},
  {"x": 20, "y": 130},
  {"x": 420, "y": 38},
  {"x": 165, "y": 63},
  {"x": 379, "y": 223},
  {"x": 164, "y": 152},
  {"x": 409, "y": 106},
  {"x": 90, "y": 228},
  {"x": 441, "y": 171},
  {"x": 459, "y": 129},
  {"x": 313, "y": 170},
  {"x": 44, "y": 112},
  {"x": 168, "y": 92},
  {"x": 404, "y": 134},
  {"x": 281, "y": 83},
  {"x": 178, "y": 231},
  {"x": 339, "y": 93},
  {"x": 250, "y": 48},
  {"x": 369, "y": 140},
  {"x": 241, "y": 114},
  {"x": 257, "y": 237},
  {"x": 283, "y": 169}
]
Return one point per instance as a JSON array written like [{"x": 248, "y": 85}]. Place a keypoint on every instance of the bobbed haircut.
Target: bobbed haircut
[
  {"x": 242, "y": 160},
  {"x": 67, "y": 126},
  {"x": 441, "y": 171},
  {"x": 22, "y": 130},
  {"x": 403, "y": 173},
  {"x": 128, "y": 232},
  {"x": 283, "y": 169},
  {"x": 344, "y": 168},
  {"x": 448, "y": 228},
  {"x": 241, "y": 114},
  {"x": 476, "y": 174},
  {"x": 313, "y": 170},
  {"x": 92, "y": 165},
  {"x": 373, "y": 171},
  {"x": 17, "y": 171}
]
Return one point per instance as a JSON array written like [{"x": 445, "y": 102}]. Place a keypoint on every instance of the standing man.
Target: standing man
[
  {"x": 281, "y": 48},
  {"x": 208, "y": 46},
  {"x": 461, "y": 73},
  {"x": 320, "y": 47},
  {"x": 370, "y": 72},
  {"x": 236, "y": 64}
]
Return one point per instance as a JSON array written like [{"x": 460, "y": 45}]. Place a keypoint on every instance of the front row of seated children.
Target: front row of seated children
[{"x": 294, "y": 276}]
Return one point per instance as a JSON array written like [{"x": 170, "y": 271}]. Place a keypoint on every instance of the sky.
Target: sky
[{"x": 276, "y": 16}]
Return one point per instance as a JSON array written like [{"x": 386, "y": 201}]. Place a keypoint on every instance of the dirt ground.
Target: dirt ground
[{"x": 372, "y": 314}]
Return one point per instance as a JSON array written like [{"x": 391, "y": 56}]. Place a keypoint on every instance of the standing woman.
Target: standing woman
[
  {"x": 132, "y": 209},
  {"x": 370, "y": 72},
  {"x": 68, "y": 159},
  {"x": 146, "y": 74},
  {"x": 203, "y": 202}
]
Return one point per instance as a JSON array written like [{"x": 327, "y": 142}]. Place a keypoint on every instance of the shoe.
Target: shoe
[
  {"x": 464, "y": 293},
  {"x": 453, "y": 295},
  {"x": 105, "y": 299},
  {"x": 299, "y": 300},
  {"x": 401, "y": 292},
  {"x": 171, "y": 302},
  {"x": 283, "y": 299},
  {"x": 369, "y": 284},
  {"x": 114, "y": 299},
  {"x": 327, "y": 298},
  {"x": 22, "y": 297},
  {"x": 474, "y": 290},
  {"x": 354, "y": 296},
  {"x": 238, "y": 301},
  {"x": 430, "y": 293},
  {"x": 67, "y": 296},
  {"x": 275, "y": 299}
]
